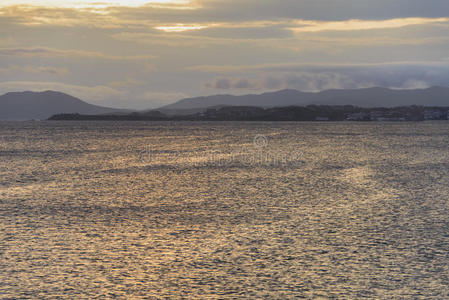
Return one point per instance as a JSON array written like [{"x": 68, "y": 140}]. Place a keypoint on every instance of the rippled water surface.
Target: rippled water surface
[{"x": 224, "y": 210}]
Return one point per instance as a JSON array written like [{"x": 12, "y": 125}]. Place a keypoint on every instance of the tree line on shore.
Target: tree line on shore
[{"x": 290, "y": 113}]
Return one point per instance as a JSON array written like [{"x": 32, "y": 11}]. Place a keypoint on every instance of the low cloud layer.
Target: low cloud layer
[{"x": 318, "y": 78}]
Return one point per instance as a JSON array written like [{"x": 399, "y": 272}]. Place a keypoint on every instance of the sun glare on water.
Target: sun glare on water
[{"x": 89, "y": 3}]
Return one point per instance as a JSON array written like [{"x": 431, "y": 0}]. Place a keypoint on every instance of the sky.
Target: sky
[{"x": 145, "y": 54}]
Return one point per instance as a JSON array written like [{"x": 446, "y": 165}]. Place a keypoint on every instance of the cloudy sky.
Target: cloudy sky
[{"x": 144, "y": 54}]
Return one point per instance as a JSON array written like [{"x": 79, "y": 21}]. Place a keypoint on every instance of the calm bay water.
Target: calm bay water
[{"x": 224, "y": 210}]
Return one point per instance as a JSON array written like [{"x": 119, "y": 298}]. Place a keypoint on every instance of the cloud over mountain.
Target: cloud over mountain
[{"x": 319, "y": 77}]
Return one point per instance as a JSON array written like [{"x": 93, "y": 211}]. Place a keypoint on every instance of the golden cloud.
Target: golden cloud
[{"x": 349, "y": 25}]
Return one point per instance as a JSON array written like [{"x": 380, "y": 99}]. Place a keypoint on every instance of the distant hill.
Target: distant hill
[
  {"x": 183, "y": 112},
  {"x": 42, "y": 105},
  {"x": 369, "y": 97}
]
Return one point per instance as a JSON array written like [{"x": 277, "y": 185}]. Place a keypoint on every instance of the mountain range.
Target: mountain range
[
  {"x": 368, "y": 97},
  {"x": 42, "y": 105}
]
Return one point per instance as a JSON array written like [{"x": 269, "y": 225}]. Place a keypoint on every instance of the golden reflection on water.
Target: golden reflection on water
[{"x": 154, "y": 210}]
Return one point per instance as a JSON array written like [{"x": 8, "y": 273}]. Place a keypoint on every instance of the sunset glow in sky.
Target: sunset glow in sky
[
  {"x": 145, "y": 54},
  {"x": 86, "y": 3}
]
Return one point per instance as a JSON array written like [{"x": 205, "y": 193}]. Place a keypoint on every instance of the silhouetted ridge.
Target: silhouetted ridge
[
  {"x": 42, "y": 105},
  {"x": 368, "y": 97}
]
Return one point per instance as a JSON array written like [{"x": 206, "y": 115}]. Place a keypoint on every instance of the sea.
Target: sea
[{"x": 224, "y": 210}]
